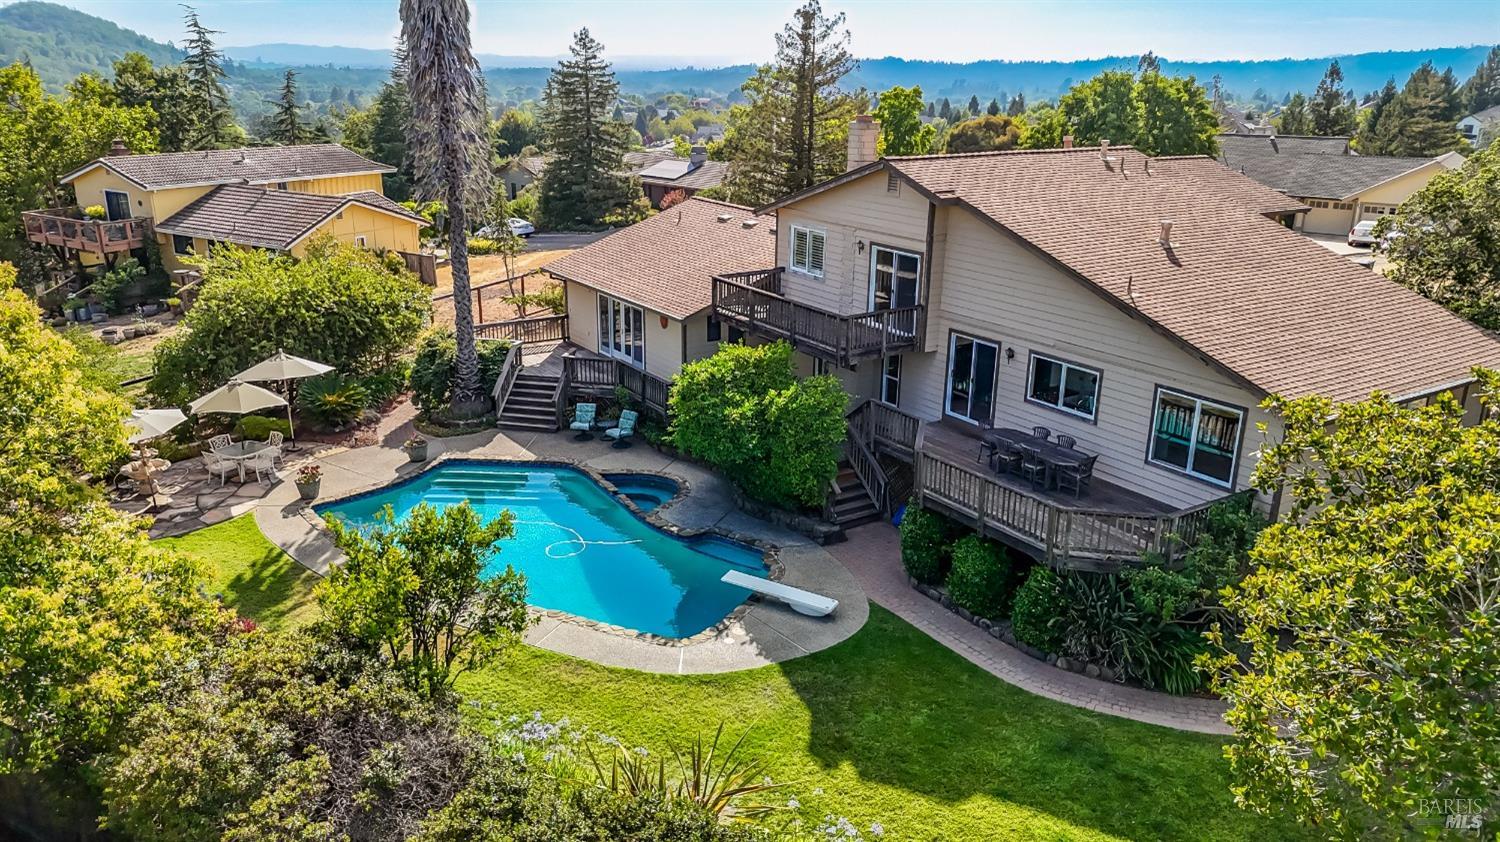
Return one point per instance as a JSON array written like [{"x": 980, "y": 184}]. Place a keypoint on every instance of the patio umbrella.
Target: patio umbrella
[
  {"x": 237, "y": 398},
  {"x": 149, "y": 424},
  {"x": 285, "y": 367}
]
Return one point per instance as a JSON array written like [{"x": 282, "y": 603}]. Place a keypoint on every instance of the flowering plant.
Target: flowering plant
[
  {"x": 309, "y": 473},
  {"x": 415, "y": 441}
]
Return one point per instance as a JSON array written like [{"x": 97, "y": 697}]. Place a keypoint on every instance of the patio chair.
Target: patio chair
[
  {"x": 583, "y": 421},
  {"x": 263, "y": 462},
  {"x": 1041, "y": 432},
  {"x": 1033, "y": 467},
  {"x": 1066, "y": 441},
  {"x": 624, "y": 430},
  {"x": 273, "y": 443},
  {"x": 1075, "y": 478},
  {"x": 218, "y": 466},
  {"x": 1006, "y": 459},
  {"x": 220, "y": 442}
]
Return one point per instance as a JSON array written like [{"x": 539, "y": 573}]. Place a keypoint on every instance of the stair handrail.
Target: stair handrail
[
  {"x": 560, "y": 391},
  {"x": 507, "y": 379}
]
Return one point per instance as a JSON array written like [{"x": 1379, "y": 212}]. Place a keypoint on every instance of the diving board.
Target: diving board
[{"x": 803, "y": 602}]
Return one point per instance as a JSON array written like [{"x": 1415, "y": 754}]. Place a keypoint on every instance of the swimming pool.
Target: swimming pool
[
  {"x": 646, "y": 491},
  {"x": 582, "y": 551}
]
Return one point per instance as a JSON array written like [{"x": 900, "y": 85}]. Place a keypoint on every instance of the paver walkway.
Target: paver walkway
[{"x": 873, "y": 555}]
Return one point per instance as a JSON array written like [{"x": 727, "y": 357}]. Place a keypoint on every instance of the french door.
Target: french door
[
  {"x": 971, "y": 378},
  {"x": 895, "y": 278},
  {"x": 116, "y": 205},
  {"x": 622, "y": 331}
]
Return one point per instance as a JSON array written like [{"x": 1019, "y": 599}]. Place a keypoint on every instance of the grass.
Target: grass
[
  {"x": 886, "y": 727},
  {"x": 256, "y": 578}
]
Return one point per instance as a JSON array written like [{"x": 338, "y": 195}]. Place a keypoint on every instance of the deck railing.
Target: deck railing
[
  {"x": 68, "y": 228},
  {"x": 595, "y": 376},
  {"x": 531, "y": 329},
  {"x": 507, "y": 378},
  {"x": 840, "y": 339}
]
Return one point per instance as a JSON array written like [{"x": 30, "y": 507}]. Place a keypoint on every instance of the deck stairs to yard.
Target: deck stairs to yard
[
  {"x": 532, "y": 402},
  {"x": 851, "y": 504}
]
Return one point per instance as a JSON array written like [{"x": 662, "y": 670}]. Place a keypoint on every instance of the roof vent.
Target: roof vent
[
  {"x": 725, "y": 217},
  {"x": 749, "y": 223},
  {"x": 1166, "y": 233}
]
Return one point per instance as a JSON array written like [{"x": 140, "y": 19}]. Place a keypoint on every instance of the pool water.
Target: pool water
[
  {"x": 646, "y": 491},
  {"x": 583, "y": 552}
]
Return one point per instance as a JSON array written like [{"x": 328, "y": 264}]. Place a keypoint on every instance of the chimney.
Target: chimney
[
  {"x": 117, "y": 148},
  {"x": 1067, "y": 141},
  {"x": 863, "y": 133},
  {"x": 1166, "y": 233},
  {"x": 698, "y": 156},
  {"x": 1104, "y": 148}
]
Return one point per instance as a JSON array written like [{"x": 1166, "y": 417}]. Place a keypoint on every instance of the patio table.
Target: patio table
[
  {"x": 1052, "y": 454},
  {"x": 240, "y": 453}
]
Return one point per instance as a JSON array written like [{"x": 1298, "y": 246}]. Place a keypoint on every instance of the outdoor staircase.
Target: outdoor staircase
[
  {"x": 530, "y": 405},
  {"x": 852, "y": 504}
]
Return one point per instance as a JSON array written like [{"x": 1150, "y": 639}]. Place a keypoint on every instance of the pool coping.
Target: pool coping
[{"x": 770, "y": 553}]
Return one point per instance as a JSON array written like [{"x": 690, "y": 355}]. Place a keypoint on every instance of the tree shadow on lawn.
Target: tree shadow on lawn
[{"x": 274, "y": 590}]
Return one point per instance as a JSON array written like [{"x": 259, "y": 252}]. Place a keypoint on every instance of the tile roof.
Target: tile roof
[
  {"x": 254, "y": 165},
  {"x": 665, "y": 262},
  {"x": 1310, "y": 167},
  {"x": 256, "y": 216},
  {"x": 710, "y": 174},
  {"x": 1274, "y": 308}
]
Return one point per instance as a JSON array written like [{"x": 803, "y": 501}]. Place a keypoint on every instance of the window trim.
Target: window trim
[
  {"x": 606, "y": 300},
  {"x": 106, "y": 193},
  {"x": 953, "y": 335},
  {"x": 1031, "y": 359},
  {"x": 791, "y": 257},
  {"x": 1239, "y": 444},
  {"x": 189, "y": 253},
  {"x": 870, "y": 279},
  {"x": 885, "y": 377},
  {"x": 359, "y": 240}
]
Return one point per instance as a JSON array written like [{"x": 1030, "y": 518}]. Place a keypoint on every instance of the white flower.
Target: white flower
[
  {"x": 641, "y": 750},
  {"x": 793, "y": 803},
  {"x": 877, "y": 829},
  {"x": 819, "y": 791}
]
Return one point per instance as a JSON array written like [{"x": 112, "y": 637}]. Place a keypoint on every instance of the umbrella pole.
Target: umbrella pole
[{"x": 292, "y": 446}]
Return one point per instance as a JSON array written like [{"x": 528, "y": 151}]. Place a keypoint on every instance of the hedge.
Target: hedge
[
  {"x": 259, "y": 427},
  {"x": 982, "y": 580},
  {"x": 925, "y": 543},
  {"x": 1038, "y": 601}
]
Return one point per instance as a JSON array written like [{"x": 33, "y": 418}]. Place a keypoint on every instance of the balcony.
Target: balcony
[
  {"x": 753, "y": 301},
  {"x": 68, "y": 228}
]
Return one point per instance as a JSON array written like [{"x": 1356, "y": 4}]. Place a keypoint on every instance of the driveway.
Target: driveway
[
  {"x": 1339, "y": 245},
  {"x": 561, "y": 240}
]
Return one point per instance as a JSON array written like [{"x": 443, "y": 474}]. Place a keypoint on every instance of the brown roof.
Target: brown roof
[
  {"x": 665, "y": 262},
  {"x": 1312, "y": 167},
  {"x": 254, "y": 165},
  {"x": 256, "y": 216},
  {"x": 1265, "y": 304},
  {"x": 706, "y": 175}
]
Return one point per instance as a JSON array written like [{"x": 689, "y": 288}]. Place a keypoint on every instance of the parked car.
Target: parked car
[
  {"x": 519, "y": 227},
  {"x": 1363, "y": 233}
]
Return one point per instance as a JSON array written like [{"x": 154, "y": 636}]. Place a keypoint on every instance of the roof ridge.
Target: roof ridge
[
  {"x": 721, "y": 203},
  {"x": 994, "y": 153}
]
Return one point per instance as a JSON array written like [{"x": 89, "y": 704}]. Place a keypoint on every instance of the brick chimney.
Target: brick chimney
[
  {"x": 117, "y": 148},
  {"x": 698, "y": 155},
  {"x": 1067, "y": 141},
  {"x": 863, "y": 132}
]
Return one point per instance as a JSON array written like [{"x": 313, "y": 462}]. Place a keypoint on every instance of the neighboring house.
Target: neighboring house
[
  {"x": 274, "y": 197},
  {"x": 642, "y": 293},
  {"x": 1338, "y": 187},
  {"x": 1473, "y": 126},
  {"x": 661, "y": 172}
]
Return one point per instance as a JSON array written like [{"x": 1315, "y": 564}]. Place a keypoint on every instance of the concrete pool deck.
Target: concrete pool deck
[{"x": 765, "y": 633}]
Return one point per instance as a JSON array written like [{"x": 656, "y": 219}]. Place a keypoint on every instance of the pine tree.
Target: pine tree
[
  {"x": 390, "y": 116},
  {"x": 931, "y": 110},
  {"x": 993, "y": 109},
  {"x": 1421, "y": 120},
  {"x": 945, "y": 111},
  {"x": 167, "y": 91},
  {"x": 205, "y": 69},
  {"x": 1372, "y": 129},
  {"x": 286, "y": 126},
  {"x": 619, "y": 115},
  {"x": 1331, "y": 109},
  {"x": 1294, "y": 119},
  {"x": 974, "y": 105},
  {"x": 586, "y": 177},
  {"x": 1017, "y": 105},
  {"x": 1483, "y": 88},
  {"x": 642, "y": 124}
]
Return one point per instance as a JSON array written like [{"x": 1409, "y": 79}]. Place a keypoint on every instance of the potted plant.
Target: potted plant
[
  {"x": 309, "y": 479},
  {"x": 175, "y": 305},
  {"x": 416, "y": 449},
  {"x": 77, "y": 308}
]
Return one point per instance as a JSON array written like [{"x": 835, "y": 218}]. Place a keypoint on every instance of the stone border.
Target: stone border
[{"x": 770, "y": 553}]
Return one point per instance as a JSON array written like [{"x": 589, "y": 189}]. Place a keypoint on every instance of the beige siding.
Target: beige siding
[
  {"x": 996, "y": 289},
  {"x": 1398, "y": 190},
  {"x": 338, "y": 185},
  {"x": 379, "y": 230},
  {"x": 664, "y": 341},
  {"x": 695, "y": 338},
  {"x": 862, "y": 210},
  {"x": 1327, "y": 220},
  {"x": 663, "y": 344}
]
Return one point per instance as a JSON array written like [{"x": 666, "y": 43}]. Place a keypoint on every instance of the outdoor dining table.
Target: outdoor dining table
[
  {"x": 240, "y": 452},
  {"x": 1052, "y": 454}
]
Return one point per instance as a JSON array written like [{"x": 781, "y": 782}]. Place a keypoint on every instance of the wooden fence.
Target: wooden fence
[{"x": 531, "y": 329}]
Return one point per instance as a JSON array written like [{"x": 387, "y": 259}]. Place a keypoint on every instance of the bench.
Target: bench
[{"x": 803, "y": 602}]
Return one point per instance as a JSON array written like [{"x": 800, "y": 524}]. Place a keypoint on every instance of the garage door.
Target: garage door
[
  {"x": 1375, "y": 211},
  {"x": 1328, "y": 217}
]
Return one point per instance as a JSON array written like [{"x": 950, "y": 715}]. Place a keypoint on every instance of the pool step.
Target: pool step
[{"x": 530, "y": 405}]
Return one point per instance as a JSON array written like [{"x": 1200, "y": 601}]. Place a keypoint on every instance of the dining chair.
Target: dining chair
[
  {"x": 220, "y": 442},
  {"x": 1033, "y": 467},
  {"x": 1066, "y": 441},
  {"x": 1076, "y": 477},
  {"x": 273, "y": 444},
  {"x": 263, "y": 462},
  {"x": 218, "y": 466},
  {"x": 1041, "y": 432},
  {"x": 1006, "y": 459}
]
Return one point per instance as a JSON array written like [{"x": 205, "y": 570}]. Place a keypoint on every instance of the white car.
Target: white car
[
  {"x": 1363, "y": 233},
  {"x": 517, "y": 226}
]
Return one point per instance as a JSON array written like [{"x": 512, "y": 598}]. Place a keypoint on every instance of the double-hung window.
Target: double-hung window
[
  {"x": 807, "y": 250},
  {"x": 1199, "y": 437},
  {"x": 895, "y": 277},
  {"x": 622, "y": 331},
  {"x": 1063, "y": 386}
]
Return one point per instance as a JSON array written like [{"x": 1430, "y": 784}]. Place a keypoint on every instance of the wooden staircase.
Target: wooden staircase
[
  {"x": 531, "y": 404},
  {"x": 851, "y": 504}
]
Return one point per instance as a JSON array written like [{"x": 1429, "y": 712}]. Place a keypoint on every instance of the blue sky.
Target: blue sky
[{"x": 725, "y": 31}]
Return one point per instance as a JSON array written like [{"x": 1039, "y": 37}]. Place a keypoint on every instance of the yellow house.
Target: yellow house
[{"x": 267, "y": 197}]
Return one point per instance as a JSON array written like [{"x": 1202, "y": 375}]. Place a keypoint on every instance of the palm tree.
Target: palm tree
[{"x": 448, "y": 143}]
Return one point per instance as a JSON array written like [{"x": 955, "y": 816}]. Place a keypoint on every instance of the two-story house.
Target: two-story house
[{"x": 275, "y": 197}]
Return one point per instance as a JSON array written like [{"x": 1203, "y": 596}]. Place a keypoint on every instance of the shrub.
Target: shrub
[
  {"x": 1038, "y": 605},
  {"x": 431, "y": 376},
  {"x": 110, "y": 287},
  {"x": 982, "y": 580},
  {"x": 483, "y": 245},
  {"x": 926, "y": 540},
  {"x": 95, "y": 212},
  {"x": 523, "y": 206},
  {"x": 338, "y": 305},
  {"x": 628, "y": 214},
  {"x": 384, "y": 385},
  {"x": 259, "y": 427},
  {"x": 332, "y": 401}
]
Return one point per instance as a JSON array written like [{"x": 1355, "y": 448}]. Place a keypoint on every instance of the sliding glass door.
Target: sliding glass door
[
  {"x": 971, "y": 378},
  {"x": 622, "y": 331},
  {"x": 895, "y": 277}
]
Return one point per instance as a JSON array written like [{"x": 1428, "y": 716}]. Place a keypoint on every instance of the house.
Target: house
[
  {"x": 642, "y": 293},
  {"x": 660, "y": 171},
  {"x": 1338, "y": 187},
  {"x": 1473, "y": 126},
  {"x": 275, "y": 197}
]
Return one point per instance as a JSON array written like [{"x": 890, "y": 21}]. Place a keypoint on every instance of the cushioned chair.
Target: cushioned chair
[
  {"x": 583, "y": 421},
  {"x": 624, "y": 430},
  {"x": 263, "y": 462},
  {"x": 219, "y": 467}
]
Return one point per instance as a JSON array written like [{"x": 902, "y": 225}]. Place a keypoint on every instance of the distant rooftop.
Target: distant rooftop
[
  {"x": 1311, "y": 167},
  {"x": 250, "y": 165},
  {"x": 274, "y": 219}
]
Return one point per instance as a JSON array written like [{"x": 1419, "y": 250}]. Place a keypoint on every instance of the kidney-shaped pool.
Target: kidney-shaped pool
[{"x": 583, "y": 552}]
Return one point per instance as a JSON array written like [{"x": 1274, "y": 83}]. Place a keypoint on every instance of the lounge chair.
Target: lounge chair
[
  {"x": 583, "y": 421},
  {"x": 624, "y": 430},
  {"x": 803, "y": 602}
]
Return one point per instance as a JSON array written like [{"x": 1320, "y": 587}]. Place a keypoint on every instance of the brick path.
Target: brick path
[{"x": 873, "y": 554}]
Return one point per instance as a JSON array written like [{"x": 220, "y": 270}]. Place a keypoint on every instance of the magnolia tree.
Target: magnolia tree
[{"x": 1362, "y": 676}]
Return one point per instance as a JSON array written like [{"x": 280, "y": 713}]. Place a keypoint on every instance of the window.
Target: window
[
  {"x": 622, "y": 331},
  {"x": 821, "y": 367},
  {"x": 890, "y": 382},
  {"x": 971, "y": 378},
  {"x": 807, "y": 251},
  {"x": 715, "y": 330},
  {"x": 894, "y": 278},
  {"x": 359, "y": 241},
  {"x": 116, "y": 205},
  {"x": 1063, "y": 386},
  {"x": 512, "y": 186},
  {"x": 182, "y": 245},
  {"x": 1196, "y": 436},
  {"x": 281, "y": 185}
]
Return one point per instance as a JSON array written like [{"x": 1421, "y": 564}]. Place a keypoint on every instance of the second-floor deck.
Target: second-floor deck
[
  {"x": 69, "y": 228},
  {"x": 754, "y": 301}
]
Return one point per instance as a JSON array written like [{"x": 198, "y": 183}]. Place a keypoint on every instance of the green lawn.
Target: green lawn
[{"x": 886, "y": 727}]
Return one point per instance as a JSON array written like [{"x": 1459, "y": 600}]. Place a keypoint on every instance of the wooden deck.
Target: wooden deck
[
  {"x": 753, "y": 300},
  {"x": 67, "y": 228}
]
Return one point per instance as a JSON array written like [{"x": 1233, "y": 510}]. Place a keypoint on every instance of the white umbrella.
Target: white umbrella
[
  {"x": 284, "y": 366},
  {"x": 239, "y": 398},
  {"x": 150, "y": 423}
]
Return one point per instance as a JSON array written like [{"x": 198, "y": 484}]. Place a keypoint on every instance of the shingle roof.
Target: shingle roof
[
  {"x": 1488, "y": 115},
  {"x": 1262, "y": 302},
  {"x": 709, "y": 174},
  {"x": 255, "y": 165},
  {"x": 256, "y": 216},
  {"x": 665, "y": 262},
  {"x": 1310, "y": 167}
]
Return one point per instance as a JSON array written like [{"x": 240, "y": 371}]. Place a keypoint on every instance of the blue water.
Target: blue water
[
  {"x": 582, "y": 551},
  {"x": 646, "y": 491}
]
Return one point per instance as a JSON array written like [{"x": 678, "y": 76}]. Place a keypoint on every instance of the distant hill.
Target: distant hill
[{"x": 61, "y": 42}]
